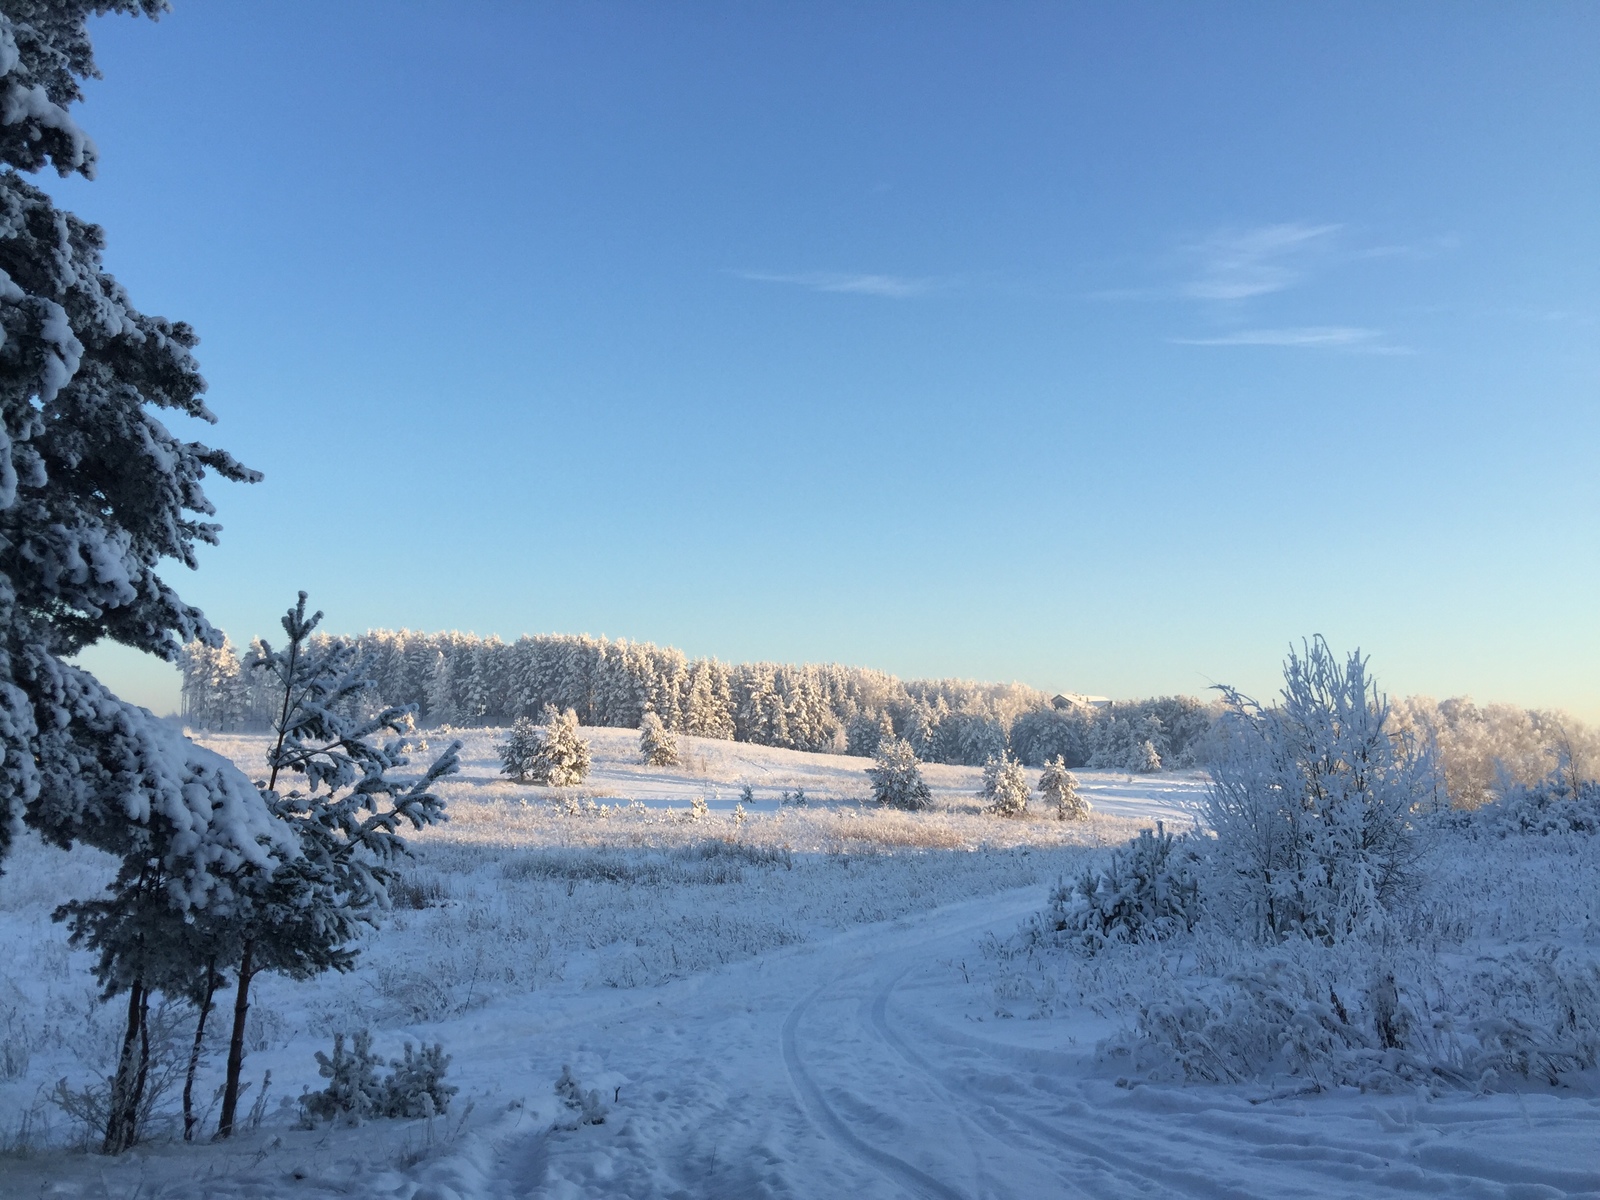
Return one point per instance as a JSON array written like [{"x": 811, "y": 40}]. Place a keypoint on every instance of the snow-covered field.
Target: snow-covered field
[{"x": 812, "y": 1001}]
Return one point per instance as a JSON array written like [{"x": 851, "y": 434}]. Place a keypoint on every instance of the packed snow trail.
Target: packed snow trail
[{"x": 867, "y": 1067}]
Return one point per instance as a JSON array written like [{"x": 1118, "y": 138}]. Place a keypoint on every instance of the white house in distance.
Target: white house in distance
[{"x": 1074, "y": 700}]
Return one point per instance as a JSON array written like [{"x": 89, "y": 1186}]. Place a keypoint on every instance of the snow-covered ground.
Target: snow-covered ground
[{"x": 809, "y": 1001}]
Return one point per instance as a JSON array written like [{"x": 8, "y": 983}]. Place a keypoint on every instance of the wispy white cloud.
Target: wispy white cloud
[
  {"x": 894, "y": 287},
  {"x": 1346, "y": 337},
  {"x": 1240, "y": 264}
]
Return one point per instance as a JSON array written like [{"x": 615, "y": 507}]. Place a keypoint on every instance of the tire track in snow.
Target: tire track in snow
[
  {"x": 985, "y": 1109},
  {"x": 823, "y": 1115},
  {"x": 1363, "y": 1172}
]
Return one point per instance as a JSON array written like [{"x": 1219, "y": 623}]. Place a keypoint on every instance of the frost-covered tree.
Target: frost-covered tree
[
  {"x": 658, "y": 745},
  {"x": 94, "y": 489},
  {"x": 95, "y": 492},
  {"x": 1144, "y": 758},
  {"x": 1005, "y": 786},
  {"x": 1058, "y": 788},
  {"x": 562, "y": 757},
  {"x": 520, "y": 751},
  {"x": 1311, "y": 802},
  {"x": 865, "y": 732},
  {"x": 345, "y": 814},
  {"x": 897, "y": 777}
]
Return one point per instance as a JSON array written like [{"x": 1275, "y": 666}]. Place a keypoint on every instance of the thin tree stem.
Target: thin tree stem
[{"x": 241, "y": 1008}]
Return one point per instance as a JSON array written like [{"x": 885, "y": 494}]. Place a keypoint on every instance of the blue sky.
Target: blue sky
[{"x": 1101, "y": 346}]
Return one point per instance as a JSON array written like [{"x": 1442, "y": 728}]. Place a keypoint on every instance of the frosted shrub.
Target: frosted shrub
[
  {"x": 587, "y": 1104},
  {"x": 1332, "y": 1020},
  {"x": 353, "y": 1092},
  {"x": 897, "y": 777},
  {"x": 1058, "y": 788},
  {"x": 1005, "y": 786},
  {"x": 1311, "y": 802},
  {"x": 1552, "y": 806},
  {"x": 416, "y": 1086},
  {"x": 658, "y": 745},
  {"x": 413, "y": 1089},
  {"x": 1149, "y": 892}
]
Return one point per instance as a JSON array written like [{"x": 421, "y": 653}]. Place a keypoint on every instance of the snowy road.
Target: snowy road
[
  {"x": 870, "y": 1064},
  {"x": 867, "y": 1067}
]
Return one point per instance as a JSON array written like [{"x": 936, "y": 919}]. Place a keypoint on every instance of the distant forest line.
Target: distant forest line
[{"x": 463, "y": 680}]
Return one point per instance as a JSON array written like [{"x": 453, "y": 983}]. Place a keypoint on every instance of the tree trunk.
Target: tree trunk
[
  {"x": 122, "y": 1109},
  {"x": 241, "y": 1006},
  {"x": 189, "y": 1119}
]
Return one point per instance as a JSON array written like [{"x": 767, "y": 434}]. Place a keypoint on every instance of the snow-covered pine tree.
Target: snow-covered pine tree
[
  {"x": 95, "y": 492},
  {"x": 658, "y": 745},
  {"x": 704, "y": 715},
  {"x": 520, "y": 750},
  {"x": 897, "y": 777},
  {"x": 1005, "y": 786},
  {"x": 562, "y": 758},
  {"x": 1143, "y": 758},
  {"x": 346, "y": 819},
  {"x": 1058, "y": 788}
]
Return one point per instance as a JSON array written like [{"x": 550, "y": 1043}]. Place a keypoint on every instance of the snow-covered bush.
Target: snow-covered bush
[
  {"x": 1150, "y": 891},
  {"x": 1005, "y": 786},
  {"x": 1552, "y": 806},
  {"x": 1058, "y": 788},
  {"x": 586, "y": 1103},
  {"x": 1312, "y": 804},
  {"x": 354, "y": 1092},
  {"x": 1330, "y": 1017},
  {"x": 519, "y": 752},
  {"x": 414, "y": 1087},
  {"x": 897, "y": 777},
  {"x": 658, "y": 745}
]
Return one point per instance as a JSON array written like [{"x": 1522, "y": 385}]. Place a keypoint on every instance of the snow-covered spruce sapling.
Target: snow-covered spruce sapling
[
  {"x": 562, "y": 757},
  {"x": 1311, "y": 803},
  {"x": 1150, "y": 891},
  {"x": 301, "y": 920},
  {"x": 416, "y": 1087},
  {"x": 413, "y": 1089},
  {"x": 1005, "y": 786},
  {"x": 658, "y": 745},
  {"x": 1058, "y": 788},
  {"x": 520, "y": 750},
  {"x": 897, "y": 777},
  {"x": 591, "y": 1109},
  {"x": 353, "y": 1092}
]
